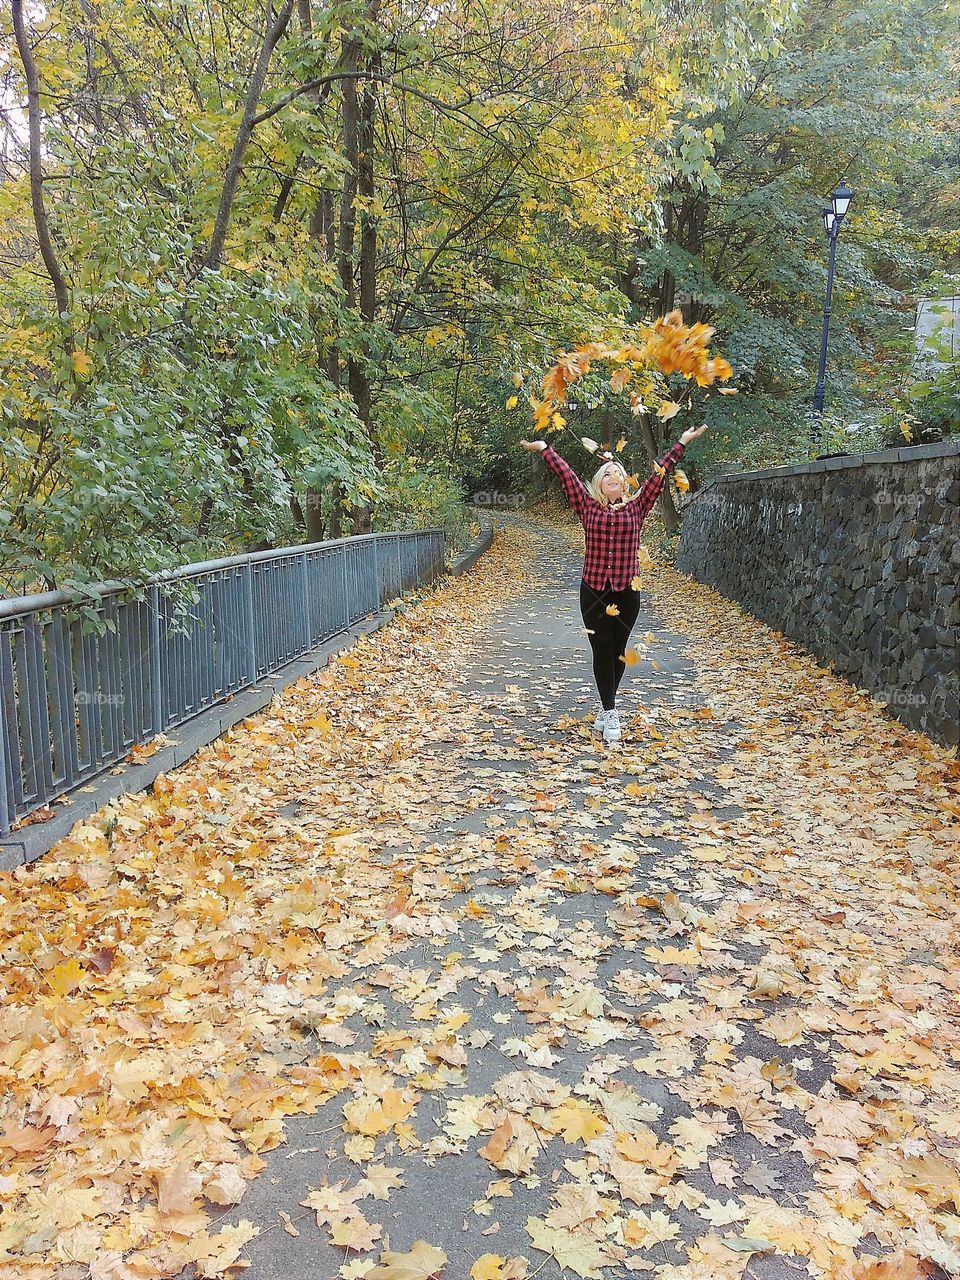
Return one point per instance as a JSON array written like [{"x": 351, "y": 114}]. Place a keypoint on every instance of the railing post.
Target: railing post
[
  {"x": 8, "y": 809},
  {"x": 347, "y": 611},
  {"x": 375, "y": 554},
  {"x": 306, "y": 630},
  {"x": 155, "y": 667},
  {"x": 249, "y": 626}
]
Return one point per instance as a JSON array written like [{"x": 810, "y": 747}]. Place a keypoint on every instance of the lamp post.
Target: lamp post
[{"x": 832, "y": 218}]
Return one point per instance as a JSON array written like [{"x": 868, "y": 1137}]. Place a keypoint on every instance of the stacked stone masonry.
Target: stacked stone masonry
[{"x": 857, "y": 559}]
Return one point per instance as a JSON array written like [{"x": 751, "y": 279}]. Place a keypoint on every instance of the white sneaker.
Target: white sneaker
[
  {"x": 611, "y": 726},
  {"x": 601, "y": 719}
]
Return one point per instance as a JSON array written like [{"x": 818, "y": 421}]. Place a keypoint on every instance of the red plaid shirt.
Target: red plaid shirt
[{"x": 612, "y": 533}]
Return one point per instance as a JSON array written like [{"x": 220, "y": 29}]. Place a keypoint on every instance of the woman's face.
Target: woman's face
[{"x": 611, "y": 484}]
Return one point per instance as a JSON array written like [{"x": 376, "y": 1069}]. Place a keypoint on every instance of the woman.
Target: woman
[{"x": 611, "y": 523}]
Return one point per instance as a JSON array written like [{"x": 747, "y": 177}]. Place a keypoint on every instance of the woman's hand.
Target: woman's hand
[
  {"x": 535, "y": 446},
  {"x": 691, "y": 433}
]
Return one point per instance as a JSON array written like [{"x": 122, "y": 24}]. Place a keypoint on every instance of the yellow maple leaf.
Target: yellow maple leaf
[
  {"x": 215, "y": 1254},
  {"x": 581, "y": 1254},
  {"x": 649, "y": 1229},
  {"x": 513, "y": 1145},
  {"x": 421, "y": 1263},
  {"x": 82, "y": 364},
  {"x": 668, "y": 409},
  {"x": 356, "y": 1233},
  {"x": 66, "y": 977},
  {"x": 577, "y": 1121},
  {"x": 488, "y": 1267},
  {"x": 613, "y": 611}
]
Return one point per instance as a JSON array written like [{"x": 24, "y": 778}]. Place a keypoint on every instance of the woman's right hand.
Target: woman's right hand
[{"x": 535, "y": 446}]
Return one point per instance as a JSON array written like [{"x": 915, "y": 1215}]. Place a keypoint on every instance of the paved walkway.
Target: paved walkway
[{"x": 682, "y": 1008}]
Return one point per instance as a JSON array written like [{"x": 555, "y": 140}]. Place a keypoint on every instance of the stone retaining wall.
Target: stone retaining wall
[{"x": 857, "y": 559}]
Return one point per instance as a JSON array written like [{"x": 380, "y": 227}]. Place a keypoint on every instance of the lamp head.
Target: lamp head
[{"x": 840, "y": 199}]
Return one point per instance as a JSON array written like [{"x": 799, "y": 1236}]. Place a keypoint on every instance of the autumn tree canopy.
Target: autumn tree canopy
[{"x": 269, "y": 271}]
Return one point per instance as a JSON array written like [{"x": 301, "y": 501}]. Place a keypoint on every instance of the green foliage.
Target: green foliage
[
  {"x": 533, "y": 176},
  {"x": 855, "y": 91}
]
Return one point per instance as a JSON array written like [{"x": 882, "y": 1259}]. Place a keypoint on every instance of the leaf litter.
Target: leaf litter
[{"x": 751, "y": 984}]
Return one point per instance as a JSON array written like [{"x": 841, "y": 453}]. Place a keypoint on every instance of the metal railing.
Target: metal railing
[{"x": 72, "y": 705}]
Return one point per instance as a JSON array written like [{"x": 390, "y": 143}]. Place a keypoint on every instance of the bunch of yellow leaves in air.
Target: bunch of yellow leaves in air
[{"x": 666, "y": 346}]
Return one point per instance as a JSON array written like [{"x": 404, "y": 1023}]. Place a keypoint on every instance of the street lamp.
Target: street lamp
[{"x": 833, "y": 216}]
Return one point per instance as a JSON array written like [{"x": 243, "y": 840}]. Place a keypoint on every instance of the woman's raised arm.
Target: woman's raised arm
[
  {"x": 652, "y": 487},
  {"x": 577, "y": 492}
]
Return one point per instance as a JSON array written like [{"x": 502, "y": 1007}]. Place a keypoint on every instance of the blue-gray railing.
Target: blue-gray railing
[{"x": 73, "y": 705}]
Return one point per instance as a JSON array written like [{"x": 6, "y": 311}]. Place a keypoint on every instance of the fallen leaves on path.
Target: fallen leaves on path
[{"x": 725, "y": 1025}]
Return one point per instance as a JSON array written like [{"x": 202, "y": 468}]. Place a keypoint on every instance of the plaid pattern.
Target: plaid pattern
[{"x": 612, "y": 534}]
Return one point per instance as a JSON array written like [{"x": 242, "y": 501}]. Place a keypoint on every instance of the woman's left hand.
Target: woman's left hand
[{"x": 691, "y": 433}]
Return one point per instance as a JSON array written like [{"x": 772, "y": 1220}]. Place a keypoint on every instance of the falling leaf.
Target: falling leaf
[{"x": 668, "y": 409}]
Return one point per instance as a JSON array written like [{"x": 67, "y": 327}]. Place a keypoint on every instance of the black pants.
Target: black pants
[{"x": 608, "y": 635}]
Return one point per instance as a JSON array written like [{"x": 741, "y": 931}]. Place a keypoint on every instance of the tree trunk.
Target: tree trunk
[
  {"x": 314, "y": 515},
  {"x": 231, "y": 178},
  {"x": 297, "y": 511},
  {"x": 349, "y": 136},
  {"x": 360, "y": 279},
  {"x": 336, "y": 511}
]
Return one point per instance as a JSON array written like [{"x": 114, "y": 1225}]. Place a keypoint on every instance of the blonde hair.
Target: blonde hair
[{"x": 594, "y": 486}]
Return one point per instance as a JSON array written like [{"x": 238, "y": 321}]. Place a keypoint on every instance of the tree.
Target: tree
[{"x": 856, "y": 92}]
